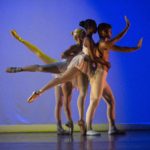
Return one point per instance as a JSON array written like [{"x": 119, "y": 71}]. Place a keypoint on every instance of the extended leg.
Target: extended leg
[
  {"x": 68, "y": 75},
  {"x": 50, "y": 68},
  {"x": 45, "y": 58}
]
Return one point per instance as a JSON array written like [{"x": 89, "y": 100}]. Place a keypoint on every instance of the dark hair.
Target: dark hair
[
  {"x": 103, "y": 27},
  {"x": 87, "y": 23}
]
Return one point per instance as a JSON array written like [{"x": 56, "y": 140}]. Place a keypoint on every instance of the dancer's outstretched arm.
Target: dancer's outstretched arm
[
  {"x": 110, "y": 43},
  {"x": 121, "y": 34},
  {"x": 128, "y": 49},
  {"x": 45, "y": 58}
]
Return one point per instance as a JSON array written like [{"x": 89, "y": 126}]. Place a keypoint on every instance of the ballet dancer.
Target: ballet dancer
[
  {"x": 101, "y": 72},
  {"x": 98, "y": 81},
  {"x": 79, "y": 63},
  {"x": 66, "y": 88},
  {"x": 82, "y": 79}
]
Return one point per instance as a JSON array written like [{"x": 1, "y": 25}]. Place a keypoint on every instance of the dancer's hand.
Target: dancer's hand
[
  {"x": 16, "y": 36},
  {"x": 140, "y": 43},
  {"x": 127, "y": 21},
  {"x": 34, "y": 96}
]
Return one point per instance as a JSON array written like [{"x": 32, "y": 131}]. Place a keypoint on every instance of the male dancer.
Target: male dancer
[{"x": 105, "y": 45}]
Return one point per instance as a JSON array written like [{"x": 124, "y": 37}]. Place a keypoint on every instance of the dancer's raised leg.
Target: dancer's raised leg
[
  {"x": 50, "y": 68},
  {"x": 45, "y": 58},
  {"x": 69, "y": 74}
]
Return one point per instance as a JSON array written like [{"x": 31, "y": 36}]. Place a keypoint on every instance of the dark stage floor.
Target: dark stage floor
[{"x": 132, "y": 140}]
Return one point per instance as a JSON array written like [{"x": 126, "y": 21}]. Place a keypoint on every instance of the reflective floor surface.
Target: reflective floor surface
[{"x": 132, "y": 140}]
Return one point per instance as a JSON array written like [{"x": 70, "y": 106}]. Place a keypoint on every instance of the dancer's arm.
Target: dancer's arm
[
  {"x": 121, "y": 34},
  {"x": 90, "y": 46},
  {"x": 108, "y": 45},
  {"x": 71, "y": 51},
  {"x": 45, "y": 58},
  {"x": 128, "y": 49}
]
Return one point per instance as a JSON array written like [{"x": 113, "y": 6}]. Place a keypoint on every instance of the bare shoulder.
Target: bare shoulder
[
  {"x": 102, "y": 44},
  {"x": 106, "y": 45}
]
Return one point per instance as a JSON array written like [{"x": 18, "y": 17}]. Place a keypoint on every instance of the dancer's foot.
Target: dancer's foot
[
  {"x": 115, "y": 131},
  {"x": 61, "y": 131},
  {"x": 81, "y": 124},
  {"x": 15, "y": 35},
  {"x": 13, "y": 69},
  {"x": 33, "y": 97},
  {"x": 92, "y": 133},
  {"x": 69, "y": 124}
]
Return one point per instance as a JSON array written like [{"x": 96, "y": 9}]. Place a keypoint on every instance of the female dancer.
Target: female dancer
[
  {"x": 79, "y": 63},
  {"x": 97, "y": 81},
  {"x": 59, "y": 67}
]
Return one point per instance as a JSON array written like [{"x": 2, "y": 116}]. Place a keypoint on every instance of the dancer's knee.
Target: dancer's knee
[
  {"x": 110, "y": 103},
  {"x": 82, "y": 96},
  {"x": 94, "y": 102},
  {"x": 59, "y": 102},
  {"x": 66, "y": 105},
  {"x": 38, "y": 68}
]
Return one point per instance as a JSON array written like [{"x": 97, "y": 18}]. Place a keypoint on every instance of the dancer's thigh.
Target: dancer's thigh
[
  {"x": 69, "y": 74},
  {"x": 55, "y": 67},
  {"x": 107, "y": 93},
  {"x": 82, "y": 83},
  {"x": 97, "y": 84}
]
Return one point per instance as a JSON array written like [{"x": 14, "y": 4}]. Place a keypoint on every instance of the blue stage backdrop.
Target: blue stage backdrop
[{"x": 48, "y": 24}]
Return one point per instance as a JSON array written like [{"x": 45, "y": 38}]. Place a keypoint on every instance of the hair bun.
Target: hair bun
[{"x": 82, "y": 23}]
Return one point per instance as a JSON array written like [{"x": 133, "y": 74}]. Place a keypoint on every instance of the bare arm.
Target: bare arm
[
  {"x": 90, "y": 46},
  {"x": 71, "y": 51},
  {"x": 127, "y": 49},
  {"x": 120, "y": 35}
]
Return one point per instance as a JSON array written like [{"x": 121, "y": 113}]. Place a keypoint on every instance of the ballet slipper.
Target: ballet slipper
[
  {"x": 81, "y": 124},
  {"x": 13, "y": 69},
  {"x": 61, "y": 131},
  {"x": 15, "y": 35},
  {"x": 33, "y": 97},
  {"x": 69, "y": 124}
]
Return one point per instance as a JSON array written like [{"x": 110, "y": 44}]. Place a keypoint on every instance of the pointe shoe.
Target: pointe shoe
[
  {"x": 15, "y": 35},
  {"x": 81, "y": 124},
  {"x": 33, "y": 97},
  {"x": 61, "y": 131},
  {"x": 69, "y": 124},
  {"x": 13, "y": 69}
]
